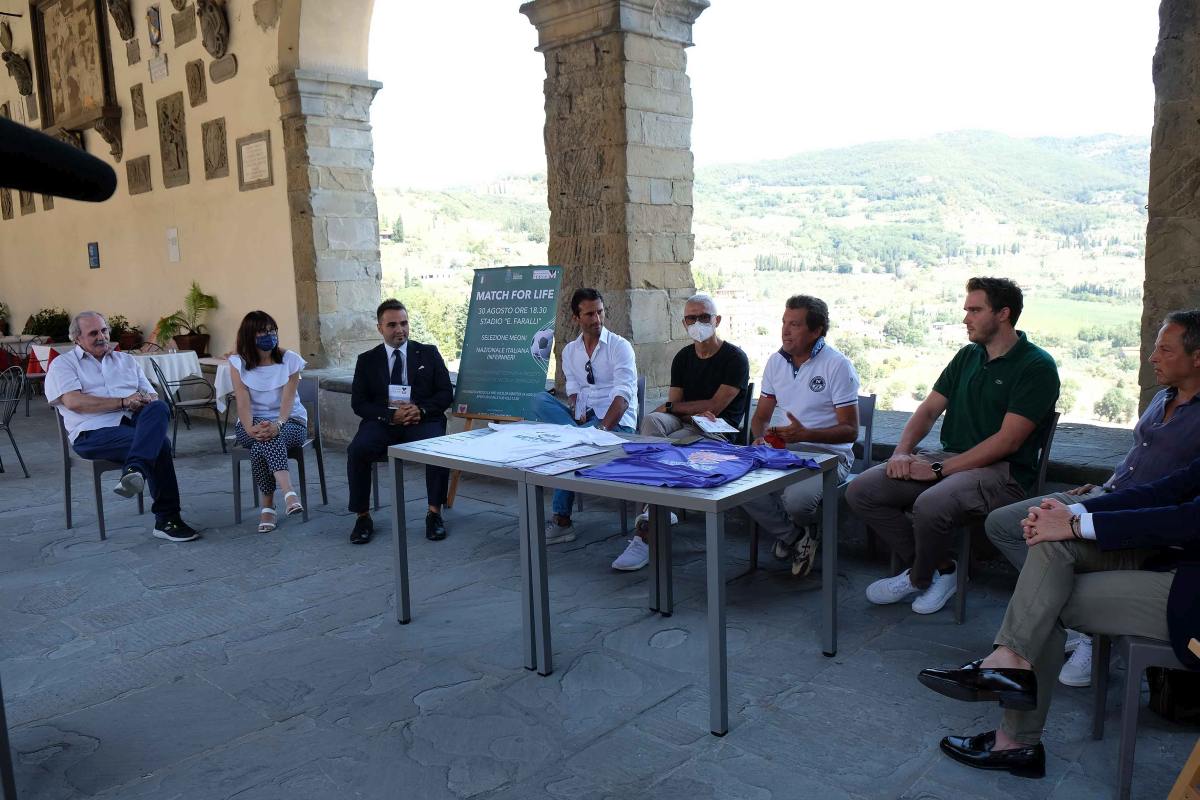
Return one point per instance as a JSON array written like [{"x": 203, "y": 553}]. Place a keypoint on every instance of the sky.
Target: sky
[{"x": 770, "y": 78}]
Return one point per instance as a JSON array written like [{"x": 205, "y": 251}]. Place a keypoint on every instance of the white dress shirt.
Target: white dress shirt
[
  {"x": 117, "y": 375},
  {"x": 1087, "y": 528},
  {"x": 391, "y": 354},
  {"x": 614, "y": 370}
]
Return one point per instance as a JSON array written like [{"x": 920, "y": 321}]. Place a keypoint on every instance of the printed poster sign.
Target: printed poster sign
[{"x": 509, "y": 338}]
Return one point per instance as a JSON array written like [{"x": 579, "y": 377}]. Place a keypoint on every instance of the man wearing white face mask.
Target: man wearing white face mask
[{"x": 708, "y": 379}]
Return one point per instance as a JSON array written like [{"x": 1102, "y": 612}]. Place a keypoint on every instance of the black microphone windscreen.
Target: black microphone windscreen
[{"x": 31, "y": 161}]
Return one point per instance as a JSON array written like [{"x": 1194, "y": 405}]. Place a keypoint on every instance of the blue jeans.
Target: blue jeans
[
  {"x": 548, "y": 408},
  {"x": 141, "y": 443}
]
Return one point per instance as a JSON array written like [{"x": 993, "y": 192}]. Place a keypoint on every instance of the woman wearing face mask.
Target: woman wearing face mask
[{"x": 270, "y": 418}]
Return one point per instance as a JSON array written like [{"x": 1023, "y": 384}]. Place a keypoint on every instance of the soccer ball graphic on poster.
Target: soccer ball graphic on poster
[{"x": 542, "y": 345}]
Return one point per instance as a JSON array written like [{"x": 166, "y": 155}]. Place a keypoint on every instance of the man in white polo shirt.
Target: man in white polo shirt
[
  {"x": 816, "y": 389},
  {"x": 111, "y": 412},
  {"x": 601, "y": 377}
]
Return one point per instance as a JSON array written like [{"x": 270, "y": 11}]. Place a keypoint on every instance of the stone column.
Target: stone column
[
  {"x": 619, "y": 163},
  {"x": 328, "y": 158},
  {"x": 1173, "y": 230}
]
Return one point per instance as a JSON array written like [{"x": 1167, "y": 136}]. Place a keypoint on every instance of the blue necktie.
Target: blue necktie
[{"x": 398, "y": 369}]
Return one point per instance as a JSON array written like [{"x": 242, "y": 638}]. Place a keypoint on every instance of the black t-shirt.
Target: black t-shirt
[{"x": 700, "y": 378}]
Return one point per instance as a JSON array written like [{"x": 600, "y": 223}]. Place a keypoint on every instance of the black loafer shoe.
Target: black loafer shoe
[
  {"x": 435, "y": 529},
  {"x": 1015, "y": 689},
  {"x": 976, "y": 751},
  {"x": 364, "y": 528}
]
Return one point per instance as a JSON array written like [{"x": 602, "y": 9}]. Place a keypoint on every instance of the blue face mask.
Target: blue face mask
[{"x": 266, "y": 341}]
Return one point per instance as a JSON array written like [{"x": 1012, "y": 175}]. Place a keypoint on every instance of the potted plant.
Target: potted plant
[
  {"x": 51, "y": 323},
  {"x": 186, "y": 327},
  {"x": 126, "y": 335},
  {"x": 4, "y": 313}
]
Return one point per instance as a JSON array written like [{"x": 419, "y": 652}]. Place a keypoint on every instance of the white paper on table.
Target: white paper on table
[
  {"x": 581, "y": 451},
  {"x": 533, "y": 461},
  {"x": 713, "y": 426},
  {"x": 555, "y": 467},
  {"x": 566, "y": 435}
]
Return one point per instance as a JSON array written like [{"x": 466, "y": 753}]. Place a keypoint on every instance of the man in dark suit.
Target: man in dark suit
[
  {"x": 401, "y": 390},
  {"x": 1124, "y": 563}
]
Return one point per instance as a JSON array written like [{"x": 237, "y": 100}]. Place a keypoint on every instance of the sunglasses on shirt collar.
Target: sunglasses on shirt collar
[{"x": 591, "y": 376}]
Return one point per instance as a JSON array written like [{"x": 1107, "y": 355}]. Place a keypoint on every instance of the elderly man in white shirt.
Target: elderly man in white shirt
[
  {"x": 601, "y": 391},
  {"x": 111, "y": 412}
]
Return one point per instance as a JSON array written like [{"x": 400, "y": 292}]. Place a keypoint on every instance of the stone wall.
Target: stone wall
[
  {"x": 1173, "y": 230},
  {"x": 619, "y": 163}
]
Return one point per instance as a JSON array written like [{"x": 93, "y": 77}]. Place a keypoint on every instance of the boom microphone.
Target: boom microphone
[{"x": 31, "y": 161}]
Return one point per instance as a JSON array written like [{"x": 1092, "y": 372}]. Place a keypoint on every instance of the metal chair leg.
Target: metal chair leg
[
  {"x": 1135, "y": 666},
  {"x": 303, "y": 483},
  {"x": 67, "y": 492},
  {"x": 237, "y": 490},
  {"x": 99, "y": 503},
  {"x": 319, "y": 450},
  {"x": 964, "y": 567},
  {"x": 17, "y": 450},
  {"x": 174, "y": 433},
  {"x": 375, "y": 484},
  {"x": 221, "y": 427},
  {"x": 1101, "y": 647}
]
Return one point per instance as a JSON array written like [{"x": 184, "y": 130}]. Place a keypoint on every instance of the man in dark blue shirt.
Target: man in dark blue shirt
[{"x": 1166, "y": 438}]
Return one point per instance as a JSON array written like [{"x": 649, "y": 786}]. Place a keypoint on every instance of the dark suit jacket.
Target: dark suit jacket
[
  {"x": 1165, "y": 515},
  {"x": 427, "y": 374}
]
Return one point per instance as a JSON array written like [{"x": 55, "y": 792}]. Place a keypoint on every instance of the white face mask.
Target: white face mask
[{"x": 700, "y": 331}]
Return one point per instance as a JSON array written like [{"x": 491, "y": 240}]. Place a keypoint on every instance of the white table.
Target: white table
[
  {"x": 713, "y": 503},
  {"x": 175, "y": 366},
  {"x": 223, "y": 383},
  {"x": 42, "y": 352}
]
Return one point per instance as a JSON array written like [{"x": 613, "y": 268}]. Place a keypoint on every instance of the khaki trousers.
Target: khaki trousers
[
  {"x": 1077, "y": 585},
  {"x": 937, "y": 508},
  {"x": 1003, "y": 525}
]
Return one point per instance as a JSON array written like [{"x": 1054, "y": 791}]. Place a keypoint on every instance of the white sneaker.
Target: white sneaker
[
  {"x": 1075, "y": 640},
  {"x": 559, "y": 534},
  {"x": 645, "y": 517},
  {"x": 891, "y": 590},
  {"x": 636, "y": 556},
  {"x": 1078, "y": 669},
  {"x": 934, "y": 598}
]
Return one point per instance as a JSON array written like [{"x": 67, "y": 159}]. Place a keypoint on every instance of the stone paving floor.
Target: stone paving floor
[{"x": 271, "y": 666}]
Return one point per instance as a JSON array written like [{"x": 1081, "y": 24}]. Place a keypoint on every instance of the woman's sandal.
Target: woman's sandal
[
  {"x": 263, "y": 525},
  {"x": 293, "y": 508}
]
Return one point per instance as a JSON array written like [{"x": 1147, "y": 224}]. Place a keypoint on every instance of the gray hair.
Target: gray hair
[
  {"x": 76, "y": 329},
  {"x": 705, "y": 300},
  {"x": 1189, "y": 320}
]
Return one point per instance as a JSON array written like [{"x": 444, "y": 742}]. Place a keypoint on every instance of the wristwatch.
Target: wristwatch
[
  {"x": 667, "y": 406},
  {"x": 937, "y": 469}
]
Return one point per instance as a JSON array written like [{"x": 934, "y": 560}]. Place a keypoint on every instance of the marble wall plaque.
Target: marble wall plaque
[
  {"x": 197, "y": 89},
  {"x": 133, "y": 51},
  {"x": 27, "y": 206},
  {"x": 6, "y": 206},
  {"x": 172, "y": 140},
  {"x": 137, "y": 175},
  {"x": 216, "y": 149},
  {"x": 47, "y": 202},
  {"x": 184, "y": 25},
  {"x": 137, "y": 97},
  {"x": 254, "y": 161},
  {"x": 223, "y": 68}
]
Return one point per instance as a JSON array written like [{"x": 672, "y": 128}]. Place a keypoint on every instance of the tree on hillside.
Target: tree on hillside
[
  {"x": 398, "y": 229},
  {"x": 1115, "y": 406}
]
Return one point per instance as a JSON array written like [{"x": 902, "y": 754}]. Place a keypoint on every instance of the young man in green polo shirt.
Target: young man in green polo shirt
[{"x": 998, "y": 394}]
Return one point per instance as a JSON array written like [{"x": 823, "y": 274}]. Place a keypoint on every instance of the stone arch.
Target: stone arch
[{"x": 325, "y": 102}]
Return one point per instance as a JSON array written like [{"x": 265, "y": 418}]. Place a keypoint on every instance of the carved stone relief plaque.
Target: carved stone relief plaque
[
  {"x": 197, "y": 90},
  {"x": 180, "y": 5},
  {"x": 31, "y": 107},
  {"x": 214, "y": 26},
  {"x": 184, "y": 25},
  {"x": 47, "y": 202},
  {"x": 4, "y": 111},
  {"x": 223, "y": 68},
  {"x": 216, "y": 149},
  {"x": 172, "y": 140},
  {"x": 137, "y": 99},
  {"x": 137, "y": 175},
  {"x": 6, "y": 205},
  {"x": 133, "y": 52},
  {"x": 27, "y": 206},
  {"x": 122, "y": 17}
]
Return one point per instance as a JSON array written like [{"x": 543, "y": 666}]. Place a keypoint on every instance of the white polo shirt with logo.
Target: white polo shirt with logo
[{"x": 813, "y": 391}]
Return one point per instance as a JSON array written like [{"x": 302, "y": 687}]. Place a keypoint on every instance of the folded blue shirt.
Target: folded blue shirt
[{"x": 699, "y": 465}]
